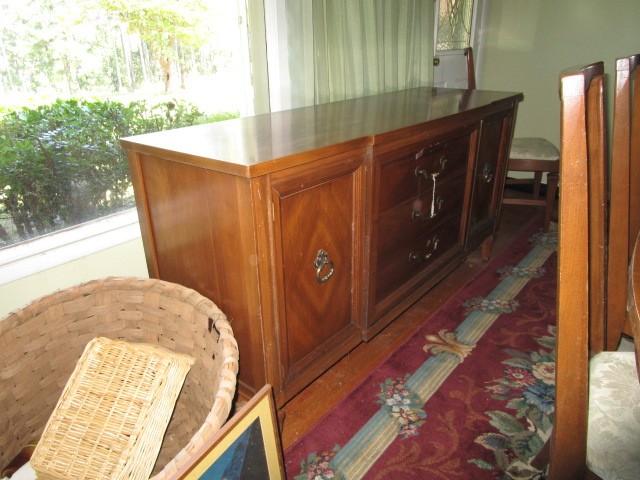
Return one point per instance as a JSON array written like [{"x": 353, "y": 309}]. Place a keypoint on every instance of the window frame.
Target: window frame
[{"x": 62, "y": 246}]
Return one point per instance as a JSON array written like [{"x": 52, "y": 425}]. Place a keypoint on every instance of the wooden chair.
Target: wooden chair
[
  {"x": 597, "y": 405},
  {"x": 537, "y": 155},
  {"x": 624, "y": 222},
  {"x": 528, "y": 154},
  {"x": 471, "y": 69}
]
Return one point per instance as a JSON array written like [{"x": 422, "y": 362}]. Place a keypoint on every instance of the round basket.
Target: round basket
[{"x": 41, "y": 343}]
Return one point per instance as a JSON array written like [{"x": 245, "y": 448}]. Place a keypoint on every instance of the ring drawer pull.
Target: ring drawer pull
[
  {"x": 415, "y": 257},
  {"x": 486, "y": 173},
  {"x": 438, "y": 204},
  {"x": 417, "y": 214},
  {"x": 322, "y": 260},
  {"x": 433, "y": 243},
  {"x": 416, "y": 210},
  {"x": 430, "y": 248},
  {"x": 422, "y": 172}
]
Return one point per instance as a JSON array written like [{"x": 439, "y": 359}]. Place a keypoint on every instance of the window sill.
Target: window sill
[{"x": 57, "y": 248}]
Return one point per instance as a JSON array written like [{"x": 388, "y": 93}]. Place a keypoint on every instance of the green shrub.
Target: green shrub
[{"x": 61, "y": 164}]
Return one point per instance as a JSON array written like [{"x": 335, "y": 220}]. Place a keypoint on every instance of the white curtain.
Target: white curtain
[
  {"x": 364, "y": 47},
  {"x": 327, "y": 50}
]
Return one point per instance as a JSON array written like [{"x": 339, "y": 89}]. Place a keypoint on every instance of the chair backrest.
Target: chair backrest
[
  {"x": 625, "y": 192},
  {"x": 634, "y": 300},
  {"x": 471, "y": 69},
  {"x": 581, "y": 259}
]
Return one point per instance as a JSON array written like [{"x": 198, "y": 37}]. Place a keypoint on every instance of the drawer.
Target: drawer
[
  {"x": 397, "y": 266},
  {"x": 413, "y": 217},
  {"x": 411, "y": 171}
]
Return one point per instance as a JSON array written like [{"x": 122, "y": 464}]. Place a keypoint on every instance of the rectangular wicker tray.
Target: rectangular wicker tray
[{"x": 112, "y": 415}]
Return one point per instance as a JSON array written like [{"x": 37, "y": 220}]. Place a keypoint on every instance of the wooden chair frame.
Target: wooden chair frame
[
  {"x": 597, "y": 295},
  {"x": 625, "y": 195},
  {"x": 581, "y": 260}
]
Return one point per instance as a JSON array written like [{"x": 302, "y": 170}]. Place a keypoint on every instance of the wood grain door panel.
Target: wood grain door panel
[
  {"x": 314, "y": 212},
  {"x": 315, "y": 310}
]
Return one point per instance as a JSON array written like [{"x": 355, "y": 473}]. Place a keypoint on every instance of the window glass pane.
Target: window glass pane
[
  {"x": 454, "y": 24},
  {"x": 76, "y": 75}
]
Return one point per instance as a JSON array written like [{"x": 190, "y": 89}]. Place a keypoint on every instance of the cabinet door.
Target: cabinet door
[
  {"x": 488, "y": 177},
  {"x": 318, "y": 214}
]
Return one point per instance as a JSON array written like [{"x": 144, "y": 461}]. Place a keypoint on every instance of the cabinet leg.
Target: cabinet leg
[
  {"x": 281, "y": 417},
  {"x": 486, "y": 248},
  {"x": 552, "y": 188}
]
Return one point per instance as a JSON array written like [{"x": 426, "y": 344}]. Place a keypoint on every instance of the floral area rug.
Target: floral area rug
[{"x": 469, "y": 395}]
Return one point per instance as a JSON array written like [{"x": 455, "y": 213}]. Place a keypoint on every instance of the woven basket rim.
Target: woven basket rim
[
  {"x": 223, "y": 399},
  {"x": 206, "y": 305}
]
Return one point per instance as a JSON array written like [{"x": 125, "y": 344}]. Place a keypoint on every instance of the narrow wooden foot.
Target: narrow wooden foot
[
  {"x": 552, "y": 188},
  {"x": 486, "y": 248},
  {"x": 281, "y": 417}
]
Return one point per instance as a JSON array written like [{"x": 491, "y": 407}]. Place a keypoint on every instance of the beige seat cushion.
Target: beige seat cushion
[
  {"x": 613, "y": 440},
  {"x": 533, "y": 148}
]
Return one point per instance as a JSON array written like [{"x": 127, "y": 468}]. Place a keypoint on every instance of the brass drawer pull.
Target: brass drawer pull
[
  {"x": 486, "y": 173},
  {"x": 417, "y": 214},
  {"x": 416, "y": 210},
  {"x": 422, "y": 172},
  {"x": 438, "y": 204},
  {"x": 322, "y": 260},
  {"x": 415, "y": 257},
  {"x": 430, "y": 248}
]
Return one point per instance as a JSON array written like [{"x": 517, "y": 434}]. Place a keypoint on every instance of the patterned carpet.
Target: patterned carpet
[{"x": 469, "y": 395}]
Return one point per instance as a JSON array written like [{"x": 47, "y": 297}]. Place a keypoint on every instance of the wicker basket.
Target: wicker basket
[
  {"x": 40, "y": 345},
  {"x": 111, "y": 417}
]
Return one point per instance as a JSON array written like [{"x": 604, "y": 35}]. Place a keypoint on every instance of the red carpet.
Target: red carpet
[{"x": 468, "y": 396}]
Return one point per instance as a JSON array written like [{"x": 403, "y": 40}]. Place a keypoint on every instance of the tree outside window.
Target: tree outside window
[{"x": 75, "y": 76}]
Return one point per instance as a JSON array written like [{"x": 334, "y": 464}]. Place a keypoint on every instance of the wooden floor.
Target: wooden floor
[{"x": 307, "y": 408}]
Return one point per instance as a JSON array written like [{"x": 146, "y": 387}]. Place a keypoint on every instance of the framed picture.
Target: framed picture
[{"x": 247, "y": 447}]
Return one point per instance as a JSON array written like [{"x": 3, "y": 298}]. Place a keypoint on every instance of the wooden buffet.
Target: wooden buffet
[{"x": 314, "y": 228}]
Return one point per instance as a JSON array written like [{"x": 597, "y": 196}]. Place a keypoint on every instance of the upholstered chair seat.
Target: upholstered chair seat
[
  {"x": 613, "y": 438},
  {"x": 538, "y": 156},
  {"x": 533, "y": 148}
]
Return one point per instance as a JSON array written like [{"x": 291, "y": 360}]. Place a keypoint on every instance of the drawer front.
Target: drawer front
[
  {"x": 397, "y": 266},
  {"x": 410, "y": 219},
  {"x": 411, "y": 171}
]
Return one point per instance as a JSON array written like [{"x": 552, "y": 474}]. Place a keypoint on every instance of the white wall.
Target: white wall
[
  {"x": 125, "y": 259},
  {"x": 528, "y": 43}
]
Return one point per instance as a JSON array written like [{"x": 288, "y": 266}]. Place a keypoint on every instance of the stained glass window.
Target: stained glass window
[{"x": 454, "y": 24}]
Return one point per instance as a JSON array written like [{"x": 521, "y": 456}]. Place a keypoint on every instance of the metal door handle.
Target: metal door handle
[
  {"x": 486, "y": 173},
  {"x": 323, "y": 263}
]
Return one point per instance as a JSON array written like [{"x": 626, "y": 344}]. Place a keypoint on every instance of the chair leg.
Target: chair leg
[
  {"x": 552, "y": 188},
  {"x": 537, "y": 180}
]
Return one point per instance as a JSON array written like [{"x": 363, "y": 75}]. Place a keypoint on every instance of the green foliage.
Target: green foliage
[
  {"x": 162, "y": 22},
  {"x": 66, "y": 48},
  {"x": 61, "y": 164},
  {"x": 164, "y": 25}
]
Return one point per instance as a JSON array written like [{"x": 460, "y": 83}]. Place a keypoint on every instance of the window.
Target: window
[
  {"x": 454, "y": 24},
  {"x": 77, "y": 75}
]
